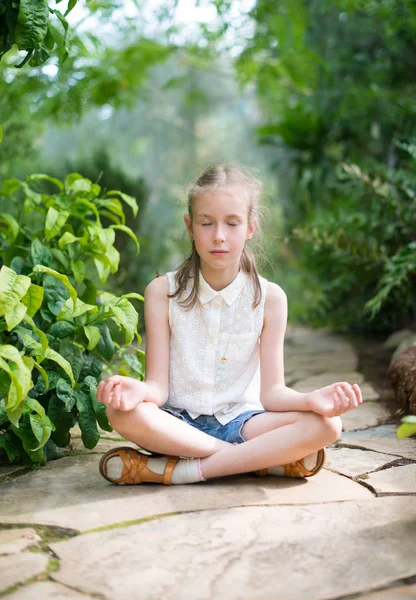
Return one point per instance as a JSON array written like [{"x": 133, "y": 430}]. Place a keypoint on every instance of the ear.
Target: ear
[
  {"x": 188, "y": 222},
  {"x": 251, "y": 228}
]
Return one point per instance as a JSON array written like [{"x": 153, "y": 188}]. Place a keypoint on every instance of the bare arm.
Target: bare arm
[
  {"x": 125, "y": 393},
  {"x": 156, "y": 316},
  {"x": 274, "y": 394},
  {"x": 329, "y": 401}
]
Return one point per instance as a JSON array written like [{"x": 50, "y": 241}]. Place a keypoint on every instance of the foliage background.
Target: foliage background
[{"x": 318, "y": 96}]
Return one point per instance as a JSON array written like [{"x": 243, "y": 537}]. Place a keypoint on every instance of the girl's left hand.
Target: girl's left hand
[{"x": 335, "y": 399}]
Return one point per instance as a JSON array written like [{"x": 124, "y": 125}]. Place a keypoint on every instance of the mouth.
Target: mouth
[{"x": 219, "y": 252}]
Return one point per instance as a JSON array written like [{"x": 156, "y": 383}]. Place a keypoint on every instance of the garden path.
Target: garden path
[{"x": 348, "y": 532}]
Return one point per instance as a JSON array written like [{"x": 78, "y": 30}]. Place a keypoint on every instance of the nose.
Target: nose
[{"x": 219, "y": 234}]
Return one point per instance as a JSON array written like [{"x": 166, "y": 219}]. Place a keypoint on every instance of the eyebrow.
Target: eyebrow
[{"x": 227, "y": 217}]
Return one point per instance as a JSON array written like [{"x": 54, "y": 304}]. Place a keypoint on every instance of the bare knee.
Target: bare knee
[
  {"x": 327, "y": 429},
  {"x": 142, "y": 416}
]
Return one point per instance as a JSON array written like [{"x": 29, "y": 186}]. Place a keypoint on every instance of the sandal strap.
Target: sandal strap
[{"x": 135, "y": 469}]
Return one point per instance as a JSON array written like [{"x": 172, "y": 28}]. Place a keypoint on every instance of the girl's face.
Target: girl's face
[{"x": 220, "y": 226}]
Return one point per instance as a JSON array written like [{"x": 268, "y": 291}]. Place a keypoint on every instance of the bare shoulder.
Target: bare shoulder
[
  {"x": 275, "y": 297},
  {"x": 157, "y": 288}
]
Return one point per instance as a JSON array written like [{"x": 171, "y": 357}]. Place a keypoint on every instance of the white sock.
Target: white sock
[
  {"x": 309, "y": 462},
  {"x": 186, "y": 470}
]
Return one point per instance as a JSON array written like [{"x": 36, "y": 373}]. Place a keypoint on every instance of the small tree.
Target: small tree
[{"x": 57, "y": 330}]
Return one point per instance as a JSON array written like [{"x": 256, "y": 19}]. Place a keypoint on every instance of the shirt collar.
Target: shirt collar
[{"x": 229, "y": 294}]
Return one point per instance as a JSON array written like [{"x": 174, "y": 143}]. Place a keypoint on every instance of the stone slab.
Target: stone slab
[
  {"x": 318, "y": 363},
  {"x": 403, "y": 592},
  {"x": 46, "y": 590},
  {"x": 396, "y": 480},
  {"x": 381, "y": 439},
  {"x": 16, "y": 568},
  {"x": 368, "y": 393},
  {"x": 16, "y": 540},
  {"x": 328, "y": 378},
  {"x": 10, "y": 470},
  {"x": 367, "y": 414},
  {"x": 276, "y": 552},
  {"x": 71, "y": 493},
  {"x": 352, "y": 462}
]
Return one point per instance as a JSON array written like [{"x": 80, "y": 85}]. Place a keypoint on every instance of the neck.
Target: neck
[{"x": 219, "y": 279}]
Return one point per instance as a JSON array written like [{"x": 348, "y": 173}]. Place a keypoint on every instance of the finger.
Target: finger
[
  {"x": 348, "y": 394},
  {"x": 100, "y": 391},
  {"x": 116, "y": 397},
  {"x": 343, "y": 396},
  {"x": 106, "y": 394},
  {"x": 358, "y": 393},
  {"x": 337, "y": 402}
]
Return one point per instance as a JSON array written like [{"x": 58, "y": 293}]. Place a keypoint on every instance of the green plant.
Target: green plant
[
  {"x": 57, "y": 330},
  {"x": 363, "y": 248},
  {"x": 407, "y": 428}
]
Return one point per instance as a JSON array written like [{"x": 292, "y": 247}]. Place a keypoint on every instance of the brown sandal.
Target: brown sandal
[
  {"x": 135, "y": 468},
  {"x": 298, "y": 469}
]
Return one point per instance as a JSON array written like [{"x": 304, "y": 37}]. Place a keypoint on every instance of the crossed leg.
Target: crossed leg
[{"x": 272, "y": 438}]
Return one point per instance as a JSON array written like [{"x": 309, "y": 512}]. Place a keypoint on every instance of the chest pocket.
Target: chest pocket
[{"x": 242, "y": 349}]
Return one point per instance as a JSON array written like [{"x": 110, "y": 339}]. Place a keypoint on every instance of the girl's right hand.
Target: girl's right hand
[{"x": 121, "y": 393}]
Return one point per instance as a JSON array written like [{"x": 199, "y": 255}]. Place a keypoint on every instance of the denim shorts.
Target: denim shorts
[{"x": 231, "y": 432}]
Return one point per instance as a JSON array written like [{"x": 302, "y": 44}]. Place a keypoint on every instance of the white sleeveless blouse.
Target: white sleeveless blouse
[{"x": 225, "y": 325}]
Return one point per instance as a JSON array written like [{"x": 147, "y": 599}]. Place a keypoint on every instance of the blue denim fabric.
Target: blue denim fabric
[{"x": 231, "y": 432}]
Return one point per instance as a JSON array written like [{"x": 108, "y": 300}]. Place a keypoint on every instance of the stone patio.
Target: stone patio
[{"x": 349, "y": 532}]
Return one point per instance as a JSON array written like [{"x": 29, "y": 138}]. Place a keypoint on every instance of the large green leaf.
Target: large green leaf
[
  {"x": 50, "y": 354},
  {"x": 79, "y": 270},
  {"x": 65, "y": 393},
  {"x": 93, "y": 336},
  {"x": 74, "y": 355},
  {"x": 43, "y": 177},
  {"x": 42, "y": 337},
  {"x": 33, "y": 299},
  {"x": 86, "y": 419},
  {"x": 20, "y": 375},
  {"x": 30, "y": 442},
  {"x": 56, "y": 293},
  {"x": 68, "y": 311},
  {"x": 127, "y": 199},
  {"x": 129, "y": 232},
  {"x": 62, "y": 329},
  {"x": 63, "y": 421},
  {"x": 113, "y": 205},
  {"x": 125, "y": 316},
  {"x": 11, "y": 227},
  {"x": 55, "y": 220},
  {"x": 105, "y": 346},
  {"x": 99, "y": 408},
  {"x": 27, "y": 338},
  {"x": 63, "y": 278},
  {"x": 32, "y": 24},
  {"x": 92, "y": 367},
  {"x": 41, "y": 255},
  {"x": 12, "y": 288},
  {"x": 12, "y": 445},
  {"x": 15, "y": 316}
]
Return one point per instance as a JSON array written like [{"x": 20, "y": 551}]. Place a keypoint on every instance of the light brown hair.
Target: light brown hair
[{"x": 214, "y": 177}]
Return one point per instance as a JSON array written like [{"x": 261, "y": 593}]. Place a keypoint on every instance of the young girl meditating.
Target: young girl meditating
[{"x": 214, "y": 400}]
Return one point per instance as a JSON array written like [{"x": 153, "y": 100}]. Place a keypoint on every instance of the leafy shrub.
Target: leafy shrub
[
  {"x": 363, "y": 250},
  {"x": 57, "y": 330}
]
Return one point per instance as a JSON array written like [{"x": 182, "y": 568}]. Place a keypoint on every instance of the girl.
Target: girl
[{"x": 214, "y": 390}]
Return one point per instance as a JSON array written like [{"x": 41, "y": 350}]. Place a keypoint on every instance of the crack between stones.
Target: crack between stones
[{"x": 355, "y": 447}]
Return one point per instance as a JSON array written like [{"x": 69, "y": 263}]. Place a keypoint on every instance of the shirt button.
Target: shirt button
[{"x": 205, "y": 306}]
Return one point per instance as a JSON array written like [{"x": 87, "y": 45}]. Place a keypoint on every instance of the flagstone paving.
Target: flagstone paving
[{"x": 348, "y": 532}]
